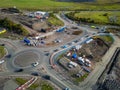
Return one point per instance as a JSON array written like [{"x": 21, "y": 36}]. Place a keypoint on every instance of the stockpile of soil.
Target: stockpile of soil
[{"x": 93, "y": 50}]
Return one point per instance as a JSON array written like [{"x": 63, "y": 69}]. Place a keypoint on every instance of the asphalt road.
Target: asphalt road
[
  {"x": 90, "y": 81},
  {"x": 15, "y": 47}
]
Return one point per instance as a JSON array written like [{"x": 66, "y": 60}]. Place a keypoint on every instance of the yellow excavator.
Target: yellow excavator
[{"x": 2, "y": 31}]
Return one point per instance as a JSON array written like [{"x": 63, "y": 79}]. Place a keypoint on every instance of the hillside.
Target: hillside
[
  {"x": 76, "y": 0},
  {"x": 56, "y": 5},
  {"x": 95, "y": 1},
  {"x": 108, "y": 1}
]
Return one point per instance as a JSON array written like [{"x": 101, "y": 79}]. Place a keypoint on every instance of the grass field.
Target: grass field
[
  {"x": 54, "y": 5},
  {"x": 108, "y": 39},
  {"x": 108, "y": 1},
  {"x": 98, "y": 17},
  {"x": 53, "y": 20},
  {"x": 44, "y": 85},
  {"x": 82, "y": 78},
  {"x": 2, "y": 51}
]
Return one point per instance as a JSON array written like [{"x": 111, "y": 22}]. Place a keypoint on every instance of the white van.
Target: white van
[{"x": 2, "y": 61}]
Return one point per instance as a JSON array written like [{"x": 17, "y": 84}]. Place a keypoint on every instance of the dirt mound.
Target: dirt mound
[{"x": 39, "y": 25}]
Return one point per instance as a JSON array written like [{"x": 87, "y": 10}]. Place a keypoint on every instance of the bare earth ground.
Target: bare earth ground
[
  {"x": 34, "y": 25},
  {"x": 64, "y": 37},
  {"x": 97, "y": 51}
]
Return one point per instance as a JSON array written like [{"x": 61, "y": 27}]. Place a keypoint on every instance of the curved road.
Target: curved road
[{"x": 14, "y": 48}]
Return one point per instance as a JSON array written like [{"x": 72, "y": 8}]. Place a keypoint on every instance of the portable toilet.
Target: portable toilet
[{"x": 74, "y": 56}]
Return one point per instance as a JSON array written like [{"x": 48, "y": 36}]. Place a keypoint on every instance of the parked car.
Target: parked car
[
  {"x": 78, "y": 75},
  {"x": 93, "y": 26},
  {"x": 8, "y": 56},
  {"x": 66, "y": 89},
  {"x": 97, "y": 28},
  {"x": 2, "y": 44},
  {"x": 74, "y": 27},
  {"x": 86, "y": 69},
  {"x": 81, "y": 63},
  {"x": 65, "y": 46},
  {"x": 86, "y": 35},
  {"x": 55, "y": 50},
  {"x": 93, "y": 33},
  {"x": 88, "y": 64},
  {"x": 73, "y": 42},
  {"x": 35, "y": 64},
  {"x": 47, "y": 54},
  {"x": 70, "y": 66},
  {"x": 76, "y": 41},
  {"x": 19, "y": 70},
  {"x": 46, "y": 77},
  {"x": 2, "y": 61},
  {"x": 69, "y": 43},
  {"x": 35, "y": 74}
]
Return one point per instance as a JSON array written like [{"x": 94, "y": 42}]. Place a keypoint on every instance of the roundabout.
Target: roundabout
[{"x": 25, "y": 59}]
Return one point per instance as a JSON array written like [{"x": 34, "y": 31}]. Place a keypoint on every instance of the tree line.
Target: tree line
[
  {"x": 13, "y": 27},
  {"x": 112, "y": 19},
  {"x": 71, "y": 16}
]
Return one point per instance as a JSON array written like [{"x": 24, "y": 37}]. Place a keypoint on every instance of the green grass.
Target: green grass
[
  {"x": 33, "y": 86},
  {"x": 80, "y": 79},
  {"x": 46, "y": 87},
  {"x": 108, "y": 39},
  {"x": 53, "y": 20},
  {"x": 2, "y": 51},
  {"x": 98, "y": 17},
  {"x": 13, "y": 27},
  {"x": 53, "y": 5},
  {"x": 20, "y": 81},
  {"x": 115, "y": 31},
  {"x": 11, "y": 36}
]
